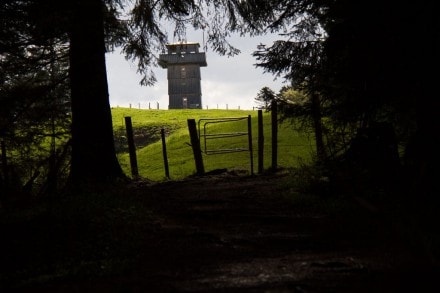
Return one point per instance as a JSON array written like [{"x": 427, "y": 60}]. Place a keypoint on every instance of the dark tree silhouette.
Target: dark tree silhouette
[
  {"x": 265, "y": 97},
  {"x": 370, "y": 62},
  {"x": 34, "y": 99},
  {"x": 93, "y": 152}
]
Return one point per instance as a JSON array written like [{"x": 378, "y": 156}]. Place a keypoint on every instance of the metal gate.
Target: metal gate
[{"x": 205, "y": 135}]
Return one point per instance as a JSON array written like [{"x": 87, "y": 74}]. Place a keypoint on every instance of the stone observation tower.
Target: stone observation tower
[{"x": 183, "y": 62}]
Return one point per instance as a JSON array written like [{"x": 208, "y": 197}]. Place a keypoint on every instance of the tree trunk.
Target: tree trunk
[
  {"x": 317, "y": 124},
  {"x": 422, "y": 155},
  {"x": 423, "y": 152},
  {"x": 93, "y": 153}
]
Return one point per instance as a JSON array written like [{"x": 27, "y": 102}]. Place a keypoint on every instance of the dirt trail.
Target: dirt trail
[{"x": 229, "y": 233}]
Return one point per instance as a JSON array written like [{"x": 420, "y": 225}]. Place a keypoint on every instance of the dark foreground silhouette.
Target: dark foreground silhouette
[{"x": 224, "y": 233}]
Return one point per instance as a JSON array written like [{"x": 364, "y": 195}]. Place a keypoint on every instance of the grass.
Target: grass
[{"x": 294, "y": 147}]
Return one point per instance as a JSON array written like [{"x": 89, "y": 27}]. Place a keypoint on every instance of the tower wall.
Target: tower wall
[{"x": 183, "y": 63}]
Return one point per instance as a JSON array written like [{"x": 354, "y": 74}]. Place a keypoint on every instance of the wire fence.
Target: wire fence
[
  {"x": 162, "y": 106},
  {"x": 294, "y": 150}
]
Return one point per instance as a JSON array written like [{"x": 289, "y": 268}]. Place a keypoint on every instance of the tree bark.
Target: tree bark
[
  {"x": 317, "y": 124},
  {"x": 93, "y": 153}
]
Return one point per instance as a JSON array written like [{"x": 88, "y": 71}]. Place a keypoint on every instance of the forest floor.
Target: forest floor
[{"x": 220, "y": 233}]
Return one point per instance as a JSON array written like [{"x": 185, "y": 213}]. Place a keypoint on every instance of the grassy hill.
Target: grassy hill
[{"x": 293, "y": 147}]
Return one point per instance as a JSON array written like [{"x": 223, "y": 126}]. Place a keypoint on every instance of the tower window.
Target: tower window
[{"x": 183, "y": 72}]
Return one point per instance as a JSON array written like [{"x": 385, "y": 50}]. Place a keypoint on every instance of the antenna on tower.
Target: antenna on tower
[{"x": 203, "y": 39}]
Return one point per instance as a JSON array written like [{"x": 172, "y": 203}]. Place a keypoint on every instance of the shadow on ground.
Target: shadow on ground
[{"x": 223, "y": 233}]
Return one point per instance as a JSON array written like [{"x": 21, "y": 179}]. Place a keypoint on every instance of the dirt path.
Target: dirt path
[{"x": 232, "y": 233}]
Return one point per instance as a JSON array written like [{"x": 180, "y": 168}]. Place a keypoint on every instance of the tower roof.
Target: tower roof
[
  {"x": 182, "y": 53},
  {"x": 183, "y": 44}
]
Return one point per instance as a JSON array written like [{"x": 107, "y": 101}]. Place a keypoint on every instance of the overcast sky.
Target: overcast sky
[{"x": 226, "y": 82}]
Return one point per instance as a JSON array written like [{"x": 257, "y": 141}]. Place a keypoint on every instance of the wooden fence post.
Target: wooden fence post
[
  {"x": 274, "y": 116},
  {"x": 250, "y": 144},
  {"x": 164, "y": 151},
  {"x": 131, "y": 148},
  {"x": 260, "y": 142},
  {"x": 195, "y": 144}
]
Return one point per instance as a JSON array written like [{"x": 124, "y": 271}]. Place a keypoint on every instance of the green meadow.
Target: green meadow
[{"x": 294, "y": 147}]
